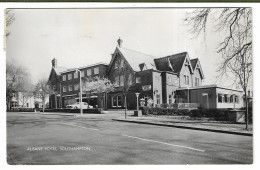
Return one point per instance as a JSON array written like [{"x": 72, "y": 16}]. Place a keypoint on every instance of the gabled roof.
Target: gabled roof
[
  {"x": 176, "y": 61},
  {"x": 134, "y": 58},
  {"x": 194, "y": 62}
]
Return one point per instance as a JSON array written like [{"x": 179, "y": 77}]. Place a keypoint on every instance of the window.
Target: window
[
  {"x": 220, "y": 98},
  {"x": 76, "y": 75},
  {"x": 76, "y": 87},
  {"x": 88, "y": 72},
  {"x": 119, "y": 101},
  {"x": 197, "y": 81},
  {"x": 114, "y": 102},
  {"x": 64, "y": 89},
  {"x": 117, "y": 81},
  {"x": 236, "y": 99},
  {"x": 69, "y": 76},
  {"x": 54, "y": 87},
  {"x": 138, "y": 79},
  {"x": 122, "y": 80},
  {"x": 116, "y": 65},
  {"x": 70, "y": 87},
  {"x": 96, "y": 70},
  {"x": 64, "y": 78},
  {"x": 232, "y": 99},
  {"x": 226, "y": 98},
  {"x": 186, "y": 79},
  {"x": 82, "y": 73},
  {"x": 122, "y": 63}
]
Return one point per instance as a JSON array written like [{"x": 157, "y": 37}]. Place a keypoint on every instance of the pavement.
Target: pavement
[
  {"x": 180, "y": 122},
  {"x": 91, "y": 139}
]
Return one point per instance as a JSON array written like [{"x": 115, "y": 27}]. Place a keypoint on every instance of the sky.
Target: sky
[{"x": 80, "y": 37}]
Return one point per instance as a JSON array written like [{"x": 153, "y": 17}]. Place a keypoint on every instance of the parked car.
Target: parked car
[{"x": 77, "y": 105}]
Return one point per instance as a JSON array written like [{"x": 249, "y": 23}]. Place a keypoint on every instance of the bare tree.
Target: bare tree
[
  {"x": 44, "y": 90},
  {"x": 126, "y": 78},
  {"x": 9, "y": 19},
  {"x": 17, "y": 79},
  {"x": 235, "y": 24}
]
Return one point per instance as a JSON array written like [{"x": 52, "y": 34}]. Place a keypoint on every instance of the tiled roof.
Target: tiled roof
[
  {"x": 135, "y": 58},
  {"x": 59, "y": 70},
  {"x": 176, "y": 61},
  {"x": 193, "y": 63}
]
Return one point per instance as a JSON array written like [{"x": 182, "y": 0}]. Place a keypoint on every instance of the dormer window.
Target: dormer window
[
  {"x": 122, "y": 63},
  {"x": 116, "y": 65}
]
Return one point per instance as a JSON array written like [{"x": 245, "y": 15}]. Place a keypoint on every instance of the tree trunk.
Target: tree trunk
[
  {"x": 125, "y": 106},
  {"x": 246, "y": 110}
]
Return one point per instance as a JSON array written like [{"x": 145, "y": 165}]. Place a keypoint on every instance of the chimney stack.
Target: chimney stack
[
  {"x": 120, "y": 42},
  {"x": 54, "y": 63}
]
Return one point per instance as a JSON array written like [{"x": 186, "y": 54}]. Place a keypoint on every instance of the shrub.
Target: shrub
[{"x": 217, "y": 114}]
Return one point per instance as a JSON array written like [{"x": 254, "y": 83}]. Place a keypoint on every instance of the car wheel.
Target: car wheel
[{"x": 75, "y": 107}]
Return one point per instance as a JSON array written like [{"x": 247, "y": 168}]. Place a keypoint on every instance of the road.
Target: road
[{"x": 34, "y": 138}]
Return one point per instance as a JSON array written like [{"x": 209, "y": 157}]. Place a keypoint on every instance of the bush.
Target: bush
[
  {"x": 217, "y": 114},
  {"x": 164, "y": 111}
]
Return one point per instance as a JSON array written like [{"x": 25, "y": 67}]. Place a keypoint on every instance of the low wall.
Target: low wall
[{"x": 94, "y": 110}]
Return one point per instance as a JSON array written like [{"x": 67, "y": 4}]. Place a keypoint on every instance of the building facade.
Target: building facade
[{"x": 169, "y": 79}]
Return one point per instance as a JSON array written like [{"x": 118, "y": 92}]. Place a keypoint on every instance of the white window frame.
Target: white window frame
[
  {"x": 64, "y": 77},
  {"x": 96, "y": 70},
  {"x": 82, "y": 73},
  {"x": 70, "y": 88},
  {"x": 122, "y": 63},
  {"x": 69, "y": 76},
  {"x": 76, "y": 75},
  {"x": 138, "y": 80},
  {"x": 64, "y": 89},
  {"x": 89, "y": 72}
]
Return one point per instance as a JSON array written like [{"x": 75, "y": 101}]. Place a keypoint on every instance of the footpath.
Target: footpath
[{"x": 180, "y": 122}]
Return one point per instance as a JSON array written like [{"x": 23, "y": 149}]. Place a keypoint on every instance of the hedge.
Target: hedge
[{"x": 217, "y": 114}]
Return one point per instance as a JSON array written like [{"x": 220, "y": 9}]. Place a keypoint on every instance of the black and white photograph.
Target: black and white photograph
[{"x": 129, "y": 86}]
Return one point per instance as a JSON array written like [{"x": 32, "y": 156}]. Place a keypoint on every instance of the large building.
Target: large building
[{"x": 169, "y": 79}]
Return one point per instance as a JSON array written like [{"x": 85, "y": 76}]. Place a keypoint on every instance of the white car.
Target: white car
[{"x": 77, "y": 105}]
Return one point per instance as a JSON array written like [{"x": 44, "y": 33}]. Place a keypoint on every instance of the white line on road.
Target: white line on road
[
  {"x": 180, "y": 146},
  {"x": 78, "y": 126}
]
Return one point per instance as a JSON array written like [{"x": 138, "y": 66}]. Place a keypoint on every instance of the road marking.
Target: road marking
[
  {"x": 78, "y": 126},
  {"x": 180, "y": 146}
]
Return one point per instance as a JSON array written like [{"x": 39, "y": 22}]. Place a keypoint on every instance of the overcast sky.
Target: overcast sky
[{"x": 80, "y": 37}]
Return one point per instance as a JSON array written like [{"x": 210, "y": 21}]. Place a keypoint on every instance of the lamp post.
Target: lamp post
[
  {"x": 137, "y": 94},
  {"x": 206, "y": 94},
  {"x": 80, "y": 90}
]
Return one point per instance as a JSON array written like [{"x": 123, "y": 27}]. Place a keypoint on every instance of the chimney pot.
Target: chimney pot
[
  {"x": 120, "y": 42},
  {"x": 54, "y": 63}
]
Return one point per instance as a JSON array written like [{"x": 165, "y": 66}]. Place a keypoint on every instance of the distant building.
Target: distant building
[{"x": 170, "y": 79}]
